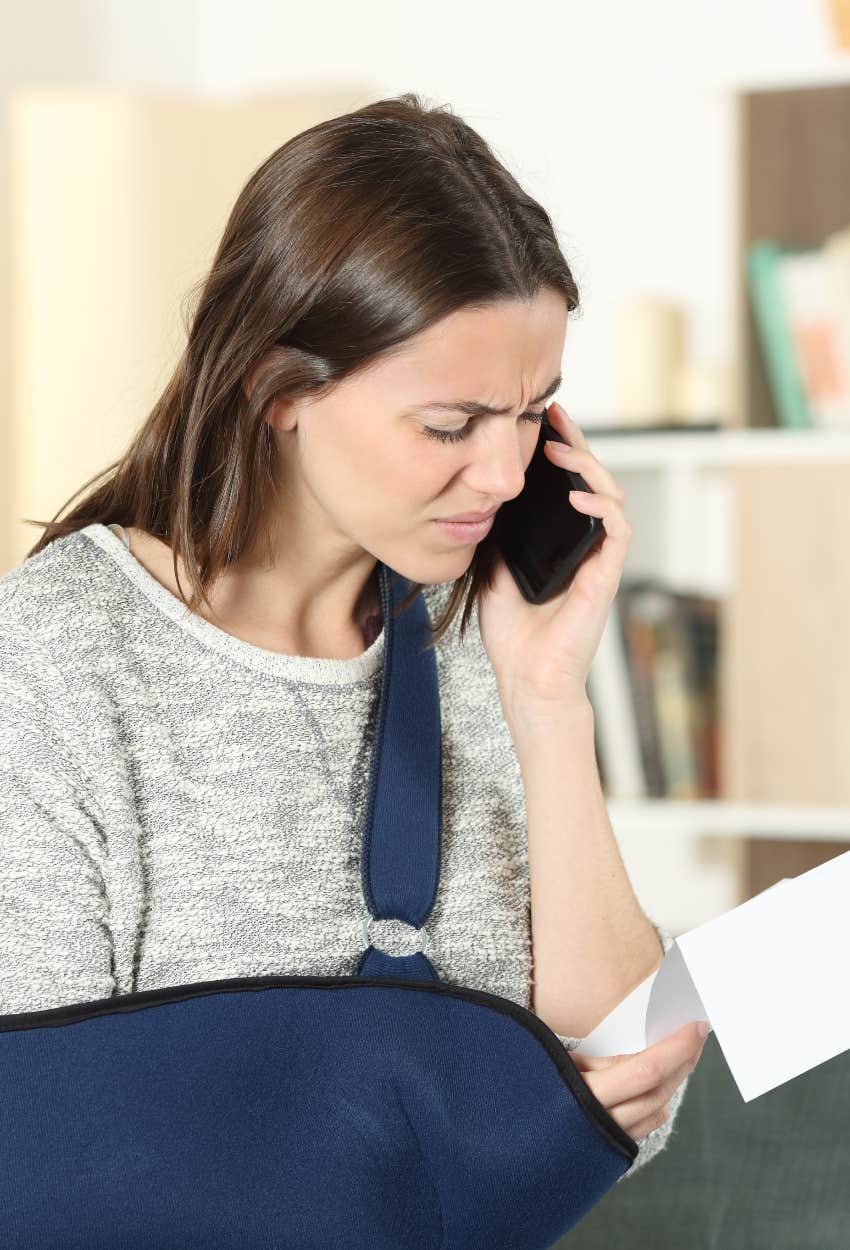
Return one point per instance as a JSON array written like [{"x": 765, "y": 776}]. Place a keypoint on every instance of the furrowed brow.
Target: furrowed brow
[{"x": 470, "y": 408}]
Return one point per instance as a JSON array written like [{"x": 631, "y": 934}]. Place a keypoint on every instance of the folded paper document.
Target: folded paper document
[{"x": 770, "y": 976}]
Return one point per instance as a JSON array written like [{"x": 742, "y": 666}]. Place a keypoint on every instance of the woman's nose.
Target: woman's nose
[{"x": 499, "y": 468}]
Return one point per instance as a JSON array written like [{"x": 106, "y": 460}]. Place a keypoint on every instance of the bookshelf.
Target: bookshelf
[
  {"x": 726, "y": 818},
  {"x": 793, "y": 185},
  {"x": 671, "y": 451},
  {"x": 711, "y": 510}
]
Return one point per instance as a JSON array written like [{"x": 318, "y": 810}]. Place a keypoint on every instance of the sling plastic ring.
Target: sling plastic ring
[{"x": 369, "y": 918}]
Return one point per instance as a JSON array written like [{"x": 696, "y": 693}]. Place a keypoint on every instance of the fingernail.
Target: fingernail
[{"x": 703, "y": 1027}]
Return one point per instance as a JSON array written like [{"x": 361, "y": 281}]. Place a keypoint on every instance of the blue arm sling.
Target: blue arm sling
[{"x": 388, "y": 1110}]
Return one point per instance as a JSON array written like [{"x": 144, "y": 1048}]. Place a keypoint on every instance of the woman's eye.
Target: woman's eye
[{"x": 455, "y": 436}]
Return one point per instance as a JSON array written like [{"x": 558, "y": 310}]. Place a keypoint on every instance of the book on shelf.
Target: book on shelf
[
  {"x": 617, "y": 733},
  {"x": 653, "y": 689},
  {"x": 800, "y": 298},
  {"x": 638, "y": 430}
]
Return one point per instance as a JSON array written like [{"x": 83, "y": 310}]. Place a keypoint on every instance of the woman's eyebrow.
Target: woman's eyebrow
[{"x": 471, "y": 408}]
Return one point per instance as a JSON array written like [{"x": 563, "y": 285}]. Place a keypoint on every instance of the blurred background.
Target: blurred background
[{"x": 695, "y": 158}]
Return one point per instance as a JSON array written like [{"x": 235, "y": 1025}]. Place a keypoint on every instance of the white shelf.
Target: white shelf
[
  {"x": 725, "y": 818},
  {"x": 716, "y": 448}
]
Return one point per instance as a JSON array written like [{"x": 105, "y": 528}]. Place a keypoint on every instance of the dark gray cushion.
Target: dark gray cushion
[{"x": 772, "y": 1174}]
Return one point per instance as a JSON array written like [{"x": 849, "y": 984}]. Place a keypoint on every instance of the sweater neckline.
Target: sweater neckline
[{"x": 315, "y": 669}]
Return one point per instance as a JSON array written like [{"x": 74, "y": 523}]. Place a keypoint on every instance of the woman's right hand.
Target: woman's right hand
[{"x": 635, "y": 1089}]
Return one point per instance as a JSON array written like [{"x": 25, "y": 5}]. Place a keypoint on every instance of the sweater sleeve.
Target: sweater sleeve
[
  {"x": 653, "y": 1143},
  {"x": 55, "y": 943}
]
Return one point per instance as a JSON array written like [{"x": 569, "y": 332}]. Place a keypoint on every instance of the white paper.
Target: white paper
[{"x": 770, "y": 976}]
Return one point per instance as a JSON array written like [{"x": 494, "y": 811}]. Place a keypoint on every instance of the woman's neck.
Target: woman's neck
[{"x": 225, "y": 612}]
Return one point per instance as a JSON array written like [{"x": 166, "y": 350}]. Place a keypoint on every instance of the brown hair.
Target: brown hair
[{"x": 350, "y": 238}]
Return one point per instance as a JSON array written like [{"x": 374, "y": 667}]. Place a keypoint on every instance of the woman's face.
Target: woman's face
[{"x": 361, "y": 467}]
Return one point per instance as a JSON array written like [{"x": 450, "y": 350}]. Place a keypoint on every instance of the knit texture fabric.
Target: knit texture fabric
[{"x": 178, "y": 805}]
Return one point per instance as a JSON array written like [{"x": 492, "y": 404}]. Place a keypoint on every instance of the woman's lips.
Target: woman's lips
[{"x": 466, "y": 531}]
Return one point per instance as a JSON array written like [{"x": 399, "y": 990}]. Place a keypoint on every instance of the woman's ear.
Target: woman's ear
[
  {"x": 249, "y": 381},
  {"x": 280, "y": 414}
]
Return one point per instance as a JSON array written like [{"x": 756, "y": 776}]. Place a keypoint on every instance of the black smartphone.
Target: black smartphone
[{"x": 541, "y": 536}]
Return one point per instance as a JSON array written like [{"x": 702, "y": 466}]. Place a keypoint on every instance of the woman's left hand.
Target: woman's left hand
[{"x": 541, "y": 653}]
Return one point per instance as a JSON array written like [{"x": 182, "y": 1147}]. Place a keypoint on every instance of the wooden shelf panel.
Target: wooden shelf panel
[
  {"x": 716, "y": 449},
  {"x": 725, "y": 818}
]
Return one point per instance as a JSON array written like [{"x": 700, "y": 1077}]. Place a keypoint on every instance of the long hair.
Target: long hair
[{"x": 350, "y": 238}]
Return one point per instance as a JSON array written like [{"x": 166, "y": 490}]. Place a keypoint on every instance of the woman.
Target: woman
[{"x": 371, "y": 354}]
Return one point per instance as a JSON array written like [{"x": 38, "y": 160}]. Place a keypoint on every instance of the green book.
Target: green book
[{"x": 777, "y": 345}]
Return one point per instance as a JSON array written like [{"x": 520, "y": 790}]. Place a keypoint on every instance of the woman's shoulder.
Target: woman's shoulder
[
  {"x": 30, "y": 586},
  {"x": 38, "y": 593}
]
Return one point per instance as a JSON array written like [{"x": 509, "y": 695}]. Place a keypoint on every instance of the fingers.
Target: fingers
[
  {"x": 660, "y": 1108},
  {"x": 622, "y": 1078},
  {"x": 607, "y": 497},
  {"x": 577, "y": 456},
  {"x": 654, "y": 1121},
  {"x": 606, "y": 504},
  {"x": 565, "y": 425},
  {"x": 610, "y": 514},
  {"x": 640, "y": 1116},
  {"x": 581, "y": 460},
  {"x": 636, "y": 1089},
  {"x": 598, "y": 479}
]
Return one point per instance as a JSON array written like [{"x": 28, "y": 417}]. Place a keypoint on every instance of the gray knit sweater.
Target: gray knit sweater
[{"x": 178, "y": 805}]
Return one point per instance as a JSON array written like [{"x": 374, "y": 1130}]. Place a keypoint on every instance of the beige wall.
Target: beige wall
[{"x": 118, "y": 202}]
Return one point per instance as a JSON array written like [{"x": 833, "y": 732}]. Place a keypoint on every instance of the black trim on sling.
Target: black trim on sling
[{"x": 53, "y": 1017}]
